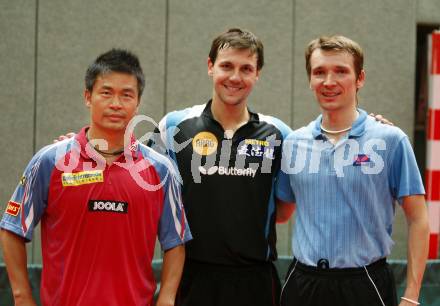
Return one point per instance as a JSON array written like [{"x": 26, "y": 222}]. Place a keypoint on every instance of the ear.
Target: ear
[
  {"x": 210, "y": 67},
  {"x": 360, "y": 80},
  {"x": 258, "y": 74},
  {"x": 87, "y": 98}
]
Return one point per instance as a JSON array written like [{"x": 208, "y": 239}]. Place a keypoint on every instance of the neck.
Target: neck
[
  {"x": 339, "y": 120},
  {"x": 231, "y": 117},
  {"x": 115, "y": 141}
]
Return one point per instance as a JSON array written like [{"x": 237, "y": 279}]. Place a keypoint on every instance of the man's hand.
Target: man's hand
[
  {"x": 62, "y": 137},
  {"x": 381, "y": 119}
]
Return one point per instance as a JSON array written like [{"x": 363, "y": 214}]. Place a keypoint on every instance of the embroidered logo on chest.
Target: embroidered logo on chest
[
  {"x": 81, "y": 178},
  {"x": 361, "y": 159},
  {"x": 205, "y": 143},
  {"x": 108, "y": 206},
  {"x": 257, "y": 148}
]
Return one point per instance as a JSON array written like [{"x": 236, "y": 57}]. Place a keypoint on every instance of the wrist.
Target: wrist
[
  {"x": 414, "y": 302},
  {"x": 411, "y": 293},
  {"x": 164, "y": 301},
  {"x": 165, "y": 298},
  {"x": 22, "y": 294},
  {"x": 24, "y": 299}
]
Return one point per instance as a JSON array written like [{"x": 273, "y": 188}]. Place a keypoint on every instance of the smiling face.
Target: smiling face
[
  {"x": 333, "y": 79},
  {"x": 234, "y": 74},
  {"x": 113, "y": 102}
]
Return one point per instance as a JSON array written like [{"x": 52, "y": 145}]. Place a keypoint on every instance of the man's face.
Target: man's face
[
  {"x": 333, "y": 79},
  {"x": 113, "y": 101},
  {"x": 234, "y": 74}
]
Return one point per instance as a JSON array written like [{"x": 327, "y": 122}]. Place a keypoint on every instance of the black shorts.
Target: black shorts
[
  {"x": 218, "y": 285},
  {"x": 311, "y": 286}
]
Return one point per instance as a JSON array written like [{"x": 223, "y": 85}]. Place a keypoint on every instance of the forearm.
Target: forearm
[
  {"x": 14, "y": 253},
  {"x": 172, "y": 268},
  {"x": 418, "y": 240}
]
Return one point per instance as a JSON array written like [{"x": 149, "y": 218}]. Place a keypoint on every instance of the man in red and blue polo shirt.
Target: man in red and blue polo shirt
[{"x": 102, "y": 200}]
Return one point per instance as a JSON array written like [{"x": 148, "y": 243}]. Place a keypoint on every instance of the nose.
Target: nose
[
  {"x": 115, "y": 103},
  {"x": 329, "y": 79},
  {"x": 235, "y": 76}
]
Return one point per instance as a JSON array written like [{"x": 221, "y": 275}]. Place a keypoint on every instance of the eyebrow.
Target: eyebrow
[
  {"x": 124, "y": 89},
  {"x": 129, "y": 89},
  {"x": 338, "y": 67}
]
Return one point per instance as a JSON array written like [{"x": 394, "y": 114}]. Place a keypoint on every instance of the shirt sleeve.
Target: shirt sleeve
[
  {"x": 156, "y": 142},
  {"x": 27, "y": 204},
  {"x": 173, "y": 226},
  {"x": 405, "y": 176}
]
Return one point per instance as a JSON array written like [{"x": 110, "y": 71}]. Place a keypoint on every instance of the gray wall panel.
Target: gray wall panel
[
  {"x": 428, "y": 11},
  {"x": 193, "y": 25},
  {"x": 72, "y": 34},
  {"x": 17, "y": 48},
  {"x": 387, "y": 34}
]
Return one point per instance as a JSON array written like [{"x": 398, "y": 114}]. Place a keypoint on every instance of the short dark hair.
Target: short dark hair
[
  {"x": 337, "y": 43},
  {"x": 115, "y": 60},
  {"x": 236, "y": 38}
]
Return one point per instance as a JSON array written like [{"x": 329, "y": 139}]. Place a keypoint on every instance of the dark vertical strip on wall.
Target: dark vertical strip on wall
[
  {"x": 165, "y": 74},
  {"x": 34, "y": 136},
  {"x": 292, "y": 68}
]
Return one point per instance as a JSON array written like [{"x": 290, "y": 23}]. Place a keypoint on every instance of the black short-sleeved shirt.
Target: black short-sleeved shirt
[{"x": 227, "y": 183}]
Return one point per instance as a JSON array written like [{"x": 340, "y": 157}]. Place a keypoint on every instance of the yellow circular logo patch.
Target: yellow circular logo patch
[{"x": 205, "y": 143}]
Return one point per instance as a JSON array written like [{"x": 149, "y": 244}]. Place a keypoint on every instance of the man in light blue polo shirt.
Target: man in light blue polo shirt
[{"x": 343, "y": 173}]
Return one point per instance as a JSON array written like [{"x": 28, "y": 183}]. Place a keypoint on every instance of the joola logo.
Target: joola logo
[
  {"x": 108, "y": 206},
  {"x": 228, "y": 171}
]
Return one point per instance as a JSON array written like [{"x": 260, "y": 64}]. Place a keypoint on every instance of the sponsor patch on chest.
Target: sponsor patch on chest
[
  {"x": 108, "y": 206},
  {"x": 205, "y": 143},
  {"x": 257, "y": 148},
  {"x": 361, "y": 159},
  {"x": 81, "y": 178}
]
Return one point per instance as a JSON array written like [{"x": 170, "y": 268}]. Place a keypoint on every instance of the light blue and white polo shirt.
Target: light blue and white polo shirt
[{"x": 345, "y": 193}]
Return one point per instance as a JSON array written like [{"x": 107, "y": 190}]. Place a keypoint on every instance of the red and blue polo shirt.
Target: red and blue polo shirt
[{"x": 99, "y": 222}]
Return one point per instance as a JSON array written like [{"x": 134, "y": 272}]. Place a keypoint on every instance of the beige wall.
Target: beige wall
[{"x": 46, "y": 46}]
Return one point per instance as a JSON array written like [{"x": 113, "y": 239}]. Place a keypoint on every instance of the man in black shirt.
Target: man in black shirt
[{"x": 229, "y": 158}]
